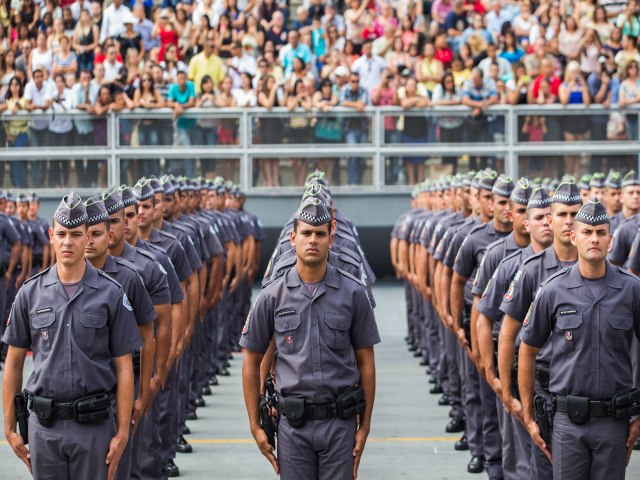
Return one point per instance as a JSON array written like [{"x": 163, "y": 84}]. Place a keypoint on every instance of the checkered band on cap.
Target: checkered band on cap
[
  {"x": 503, "y": 187},
  {"x": 168, "y": 187},
  {"x": 597, "y": 180},
  {"x": 22, "y": 198},
  {"x": 96, "y": 211},
  {"x": 143, "y": 190},
  {"x": 313, "y": 212},
  {"x": 630, "y": 179},
  {"x": 521, "y": 192},
  {"x": 539, "y": 198},
  {"x": 71, "y": 212},
  {"x": 567, "y": 193},
  {"x": 487, "y": 179},
  {"x": 112, "y": 199},
  {"x": 128, "y": 197},
  {"x": 593, "y": 213},
  {"x": 33, "y": 197}
]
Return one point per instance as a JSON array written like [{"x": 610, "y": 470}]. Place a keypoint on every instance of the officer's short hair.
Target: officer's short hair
[{"x": 296, "y": 222}]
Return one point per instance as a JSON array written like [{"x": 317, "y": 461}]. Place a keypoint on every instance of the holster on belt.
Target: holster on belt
[
  {"x": 22, "y": 412},
  {"x": 626, "y": 404},
  {"x": 543, "y": 419}
]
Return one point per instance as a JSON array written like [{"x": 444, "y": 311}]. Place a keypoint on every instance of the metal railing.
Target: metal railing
[{"x": 373, "y": 150}]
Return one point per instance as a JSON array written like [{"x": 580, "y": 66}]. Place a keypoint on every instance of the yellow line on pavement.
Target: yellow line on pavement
[{"x": 248, "y": 441}]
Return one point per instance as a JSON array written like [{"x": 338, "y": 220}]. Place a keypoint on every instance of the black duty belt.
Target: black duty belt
[
  {"x": 312, "y": 411},
  {"x": 583, "y": 406},
  {"x": 91, "y": 409}
]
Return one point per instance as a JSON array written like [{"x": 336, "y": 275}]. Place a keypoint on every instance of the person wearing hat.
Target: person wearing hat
[
  {"x": 588, "y": 314},
  {"x": 629, "y": 200},
  {"x": 77, "y": 319},
  {"x": 41, "y": 255},
  {"x": 125, "y": 273},
  {"x": 480, "y": 407},
  {"x": 39, "y": 236},
  {"x": 516, "y": 446},
  {"x": 313, "y": 311},
  {"x": 611, "y": 197},
  {"x": 23, "y": 266},
  {"x": 163, "y": 292},
  {"x": 565, "y": 204},
  {"x": 584, "y": 187}
]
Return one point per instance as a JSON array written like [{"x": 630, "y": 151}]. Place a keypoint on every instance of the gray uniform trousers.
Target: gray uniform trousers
[
  {"x": 197, "y": 367},
  {"x": 69, "y": 450},
  {"x": 408, "y": 303},
  {"x": 319, "y": 450},
  {"x": 471, "y": 401},
  {"x": 508, "y": 442},
  {"x": 443, "y": 366},
  {"x": 522, "y": 449},
  {"x": 184, "y": 384},
  {"x": 129, "y": 466},
  {"x": 491, "y": 438},
  {"x": 150, "y": 455},
  {"x": 594, "y": 450},
  {"x": 433, "y": 337},
  {"x": 169, "y": 416},
  {"x": 455, "y": 381},
  {"x": 223, "y": 332}
]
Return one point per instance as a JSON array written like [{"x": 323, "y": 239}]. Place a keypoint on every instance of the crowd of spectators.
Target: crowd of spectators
[{"x": 65, "y": 54}]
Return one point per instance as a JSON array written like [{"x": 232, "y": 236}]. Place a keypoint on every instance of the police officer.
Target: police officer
[
  {"x": 313, "y": 312},
  {"x": 584, "y": 188},
  {"x": 589, "y": 314},
  {"x": 611, "y": 198},
  {"x": 79, "y": 324},
  {"x": 42, "y": 256},
  {"x": 565, "y": 204},
  {"x": 597, "y": 185}
]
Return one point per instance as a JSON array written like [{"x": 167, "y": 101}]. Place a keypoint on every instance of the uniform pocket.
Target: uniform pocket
[
  {"x": 287, "y": 333},
  {"x": 620, "y": 332},
  {"x": 569, "y": 328},
  {"x": 339, "y": 325},
  {"x": 93, "y": 325},
  {"x": 45, "y": 327}
]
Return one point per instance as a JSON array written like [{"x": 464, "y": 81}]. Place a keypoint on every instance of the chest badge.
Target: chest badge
[
  {"x": 568, "y": 335},
  {"x": 45, "y": 335},
  {"x": 289, "y": 339}
]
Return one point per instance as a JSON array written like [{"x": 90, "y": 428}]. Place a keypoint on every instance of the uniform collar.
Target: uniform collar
[
  {"x": 330, "y": 278},
  {"x": 110, "y": 265},
  {"x": 89, "y": 279},
  {"x": 510, "y": 242},
  {"x": 576, "y": 280},
  {"x": 128, "y": 252},
  {"x": 550, "y": 258}
]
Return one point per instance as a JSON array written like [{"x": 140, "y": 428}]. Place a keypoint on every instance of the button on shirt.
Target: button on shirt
[
  {"x": 73, "y": 340},
  {"x": 316, "y": 336},
  {"x": 590, "y": 335}
]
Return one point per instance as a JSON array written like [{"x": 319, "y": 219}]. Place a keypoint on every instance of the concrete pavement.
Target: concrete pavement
[{"x": 407, "y": 440}]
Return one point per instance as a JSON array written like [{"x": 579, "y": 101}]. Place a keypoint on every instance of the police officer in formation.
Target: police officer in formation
[
  {"x": 141, "y": 316},
  {"x": 500, "y": 252},
  {"x": 313, "y": 326}
]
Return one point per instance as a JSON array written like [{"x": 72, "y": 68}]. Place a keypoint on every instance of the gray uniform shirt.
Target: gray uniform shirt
[
  {"x": 494, "y": 254},
  {"x": 316, "y": 338},
  {"x": 622, "y": 239},
  {"x": 73, "y": 340},
  {"x": 154, "y": 276},
  {"x": 590, "y": 336}
]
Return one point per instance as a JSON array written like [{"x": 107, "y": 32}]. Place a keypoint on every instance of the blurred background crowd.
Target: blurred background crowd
[{"x": 60, "y": 55}]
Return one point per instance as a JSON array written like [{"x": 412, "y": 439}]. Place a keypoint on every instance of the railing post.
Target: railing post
[
  {"x": 113, "y": 163},
  {"x": 511, "y": 136},
  {"x": 378, "y": 165},
  {"x": 245, "y": 160}
]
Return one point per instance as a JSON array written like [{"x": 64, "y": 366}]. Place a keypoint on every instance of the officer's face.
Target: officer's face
[
  {"x": 502, "y": 210},
  {"x": 98, "y": 242},
  {"x": 158, "y": 211},
  {"x": 537, "y": 225},
  {"x": 23, "y": 209},
  {"x": 34, "y": 207},
  {"x": 485, "y": 202},
  {"x": 193, "y": 200},
  {"x": 561, "y": 221},
  {"x": 68, "y": 243},
  {"x": 592, "y": 242},
  {"x": 184, "y": 200},
  {"x": 116, "y": 226},
  {"x": 220, "y": 201},
  {"x": 169, "y": 206},
  {"x": 518, "y": 217},
  {"x": 311, "y": 243},
  {"x": 439, "y": 200},
  {"x": 612, "y": 199},
  {"x": 131, "y": 223},
  {"x": 146, "y": 212},
  {"x": 586, "y": 195},
  {"x": 10, "y": 209},
  {"x": 598, "y": 193},
  {"x": 631, "y": 197}
]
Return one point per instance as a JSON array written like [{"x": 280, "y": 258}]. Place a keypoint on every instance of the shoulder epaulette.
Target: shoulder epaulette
[
  {"x": 125, "y": 263},
  {"x": 111, "y": 279},
  {"x": 495, "y": 244},
  {"x": 627, "y": 273},
  {"x": 169, "y": 235},
  {"x": 476, "y": 228},
  {"x": 531, "y": 258},
  {"x": 348, "y": 275},
  {"x": 563, "y": 271},
  {"x": 36, "y": 275},
  {"x": 145, "y": 253},
  {"x": 347, "y": 259}
]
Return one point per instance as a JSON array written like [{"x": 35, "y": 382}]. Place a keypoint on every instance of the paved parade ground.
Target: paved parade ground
[{"x": 407, "y": 440}]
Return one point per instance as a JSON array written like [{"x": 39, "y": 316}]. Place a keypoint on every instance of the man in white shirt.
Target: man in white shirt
[
  {"x": 77, "y": 7},
  {"x": 242, "y": 61},
  {"x": 369, "y": 67},
  {"x": 112, "y": 20},
  {"x": 503, "y": 64},
  {"x": 111, "y": 65},
  {"x": 39, "y": 96}
]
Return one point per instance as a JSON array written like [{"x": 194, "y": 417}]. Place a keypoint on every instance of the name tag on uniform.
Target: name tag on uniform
[
  {"x": 285, "y": 312},
  {"x": 568, "y": 312},
  {"x": 44, "y": 310}
]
